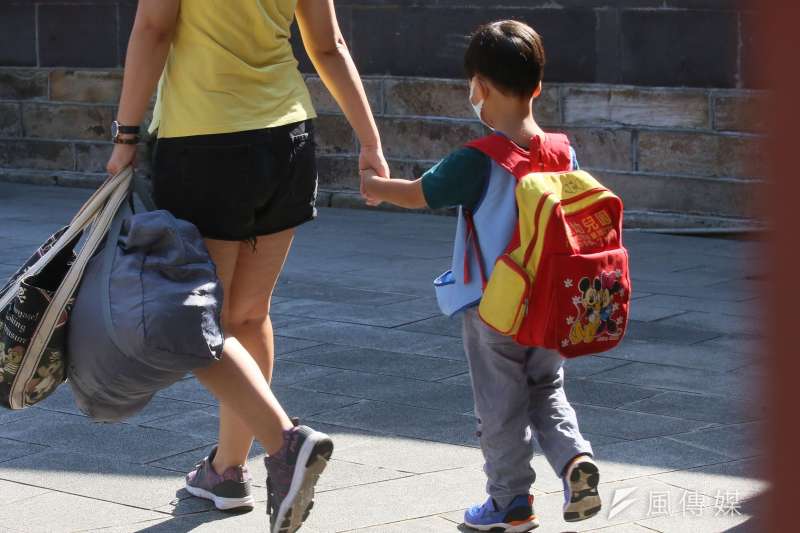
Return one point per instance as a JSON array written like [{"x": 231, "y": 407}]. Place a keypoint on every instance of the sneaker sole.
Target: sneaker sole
[
  {"x": 506, "y": 528},
  {"x": 311, "y": 462},
  {"x": 230, "y": 505},
  {"x": 585, "y": 500}
]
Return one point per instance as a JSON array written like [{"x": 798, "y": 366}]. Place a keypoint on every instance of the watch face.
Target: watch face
[{"x": 114, "y": 129}]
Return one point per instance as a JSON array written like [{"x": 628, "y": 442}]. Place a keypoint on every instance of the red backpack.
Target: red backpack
[{"x": 563, "y": 281}]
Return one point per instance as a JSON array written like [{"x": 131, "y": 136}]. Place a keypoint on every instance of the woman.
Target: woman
[{"x": 235, "y": 156}]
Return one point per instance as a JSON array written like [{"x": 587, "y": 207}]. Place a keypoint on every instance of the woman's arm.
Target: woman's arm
[
  {"x": 148, "y": 47},
  {"x": 402, "y": 193},
  {"x": 326, "y": 47}
]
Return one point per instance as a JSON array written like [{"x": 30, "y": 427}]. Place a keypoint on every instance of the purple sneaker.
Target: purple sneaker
[
  {"x": 229, "y": 491},
  {"x": 292, "y": 474}
]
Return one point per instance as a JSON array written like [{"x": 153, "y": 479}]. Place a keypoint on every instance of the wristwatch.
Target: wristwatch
[{"x": 118, "y": 129}]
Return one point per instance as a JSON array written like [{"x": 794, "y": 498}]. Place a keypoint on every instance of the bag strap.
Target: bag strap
[
  {"x": 548, "y": 153},
  {"x": 58, "y": 303},
  {"x": 472, "y": 240},
  {"x": 85, "y": 216}
]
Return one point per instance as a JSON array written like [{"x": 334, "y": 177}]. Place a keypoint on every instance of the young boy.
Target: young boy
[{"x": 517, "y": 390}]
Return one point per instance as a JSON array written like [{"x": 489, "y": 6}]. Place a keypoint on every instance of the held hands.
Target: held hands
[
  {"x": 372, "y": 166},
  {"x": 370, "y": 183}
]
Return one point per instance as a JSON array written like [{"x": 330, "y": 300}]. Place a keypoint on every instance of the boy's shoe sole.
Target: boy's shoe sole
[
  {"x": 584, "y": 499},
  {"x": 230, "y": 505},
  {"x": 512, "y": 527},
  {"x": 311, "y": 462}
]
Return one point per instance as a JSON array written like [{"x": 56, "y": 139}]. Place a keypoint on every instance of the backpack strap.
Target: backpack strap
[{"x": 548, "y": 153}]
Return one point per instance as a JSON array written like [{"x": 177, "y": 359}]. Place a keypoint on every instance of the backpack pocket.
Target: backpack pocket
[
  {"x": 505, "y": 299},
  {"x": 590, "y": 300}
]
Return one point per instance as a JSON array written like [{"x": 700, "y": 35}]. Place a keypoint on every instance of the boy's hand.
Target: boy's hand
[{"x": 369, "y": 178}]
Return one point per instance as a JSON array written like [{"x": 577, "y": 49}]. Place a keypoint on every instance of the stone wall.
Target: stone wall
[{"x": 685, "y": 151}]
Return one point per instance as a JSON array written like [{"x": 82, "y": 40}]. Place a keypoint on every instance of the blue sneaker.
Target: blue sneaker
[{"x": 516, "y": 518}]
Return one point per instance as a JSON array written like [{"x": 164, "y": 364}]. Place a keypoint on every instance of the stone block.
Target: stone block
[
  {"x": 43, "y": 155},
  {"x": 12, "y": 449},
  {"x": 425, "y": 138},
  {"x": 346, "y": 312},
  {"x": 709, "y": 196},
  {"x": 701, "y": 154},
  {"x": 745, "y": 477},
  {"x": 428, "y": 97},
  {"x": 189, "y": 390},
  {"x": 92, "y": 157},
  {"x": 740, "y": 112},
  {"x": 582, "y": 367},
  {"x": 294, "y": 372},
  {"x": 10, "y": 120},
  {"x": 17, "y": 34},
  {"x": 19, "y": 84},
  {"x": 338, "y": 172},
  {"x": 91, "y": 86},
  {"x": 11, "y": 492},
  {"x": 64, "y": 121},
  {"x": 667, "y": 108},
  {"x": 87, "y": 40},
  {"x": 334, "y": 135},
  {"x": 602, "y": 148},
  {"x": 704, "y": 55},
  {"x": 440, "y": 325},
  {"x": 325, "y": 104},
  {"x": 330, "y": 293}
]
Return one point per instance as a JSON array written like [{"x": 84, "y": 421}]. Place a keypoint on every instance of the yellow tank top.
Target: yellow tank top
[{"x": 231, "y": 68}]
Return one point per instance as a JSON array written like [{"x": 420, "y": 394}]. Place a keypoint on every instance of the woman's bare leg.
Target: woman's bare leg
[
  {"x": 248, "y": 320},
  {"x": 237, "y": 382}
]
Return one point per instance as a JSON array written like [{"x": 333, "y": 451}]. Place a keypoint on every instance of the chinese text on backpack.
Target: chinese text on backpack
[{"x": 563, "y": 282}]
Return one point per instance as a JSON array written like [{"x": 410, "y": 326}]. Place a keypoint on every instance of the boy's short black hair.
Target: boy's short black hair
[{"x": 508, "y": 53}]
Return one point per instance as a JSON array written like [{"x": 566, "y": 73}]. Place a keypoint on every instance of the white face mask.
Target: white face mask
[{"x": 478, "y": 108}]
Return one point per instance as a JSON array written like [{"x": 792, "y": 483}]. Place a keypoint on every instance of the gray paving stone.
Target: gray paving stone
[
  {"x": 69, "y": 432},
  {"x": 698, "y": 407},
  {"x": 396, "y": 390},
  {"x": 381, "y": 338},
  {"x": 188, "y": 390},
  {"x": 581, "y": 367},
  {"x": 419, "y": 525},
  {"x": 630, "y": 425},
  {"x": 678, "y": 379},
  {"x": 589, "y": 392},
  {"x": 255, "y": 521},
  {"x": 736, "y": 441},
  {"x": 380, "y": 362},
  {"x": 328, "y": 293},
  {"x": 715, "y": 322},
  {"x": 646, "y": 457},
  {"x": 342, "y": 474},
  {"x": 67, "y": 513},
  {"x": 409, "y": 455},
  {"x": 688, "y": 303},
  {"x": 440, "y": 325},
  {"x": 403, "y": 420},
  {"x": 284, "y": 345},
  {"x": 293, "y": 372},
  {"x": 744, "y": 477},
  {"x": 11, "y": 492},
  {"x": 8, "y": 416},
  {"x": 738, "y": 344},
  {"x": 63, "y": 401},
  {"x": 651, "y": 313},
  {"x": 385, "y": 316},
  {"x": 662, "y": 332},
  {"x": 703, "y": 356},
  {"x": 402, "y": 499},
  {"x": 12, "y": 449},
  {"x": 95, "y": 476}
]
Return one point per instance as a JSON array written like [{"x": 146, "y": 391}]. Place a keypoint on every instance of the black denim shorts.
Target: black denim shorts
[{"x": 238, "y": 186}]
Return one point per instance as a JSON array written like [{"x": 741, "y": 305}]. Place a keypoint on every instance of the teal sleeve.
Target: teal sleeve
[{"x": 458, "y": 179}]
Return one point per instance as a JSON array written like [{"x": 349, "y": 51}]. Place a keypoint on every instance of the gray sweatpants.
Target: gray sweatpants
[{"x": 518, "y": 391}]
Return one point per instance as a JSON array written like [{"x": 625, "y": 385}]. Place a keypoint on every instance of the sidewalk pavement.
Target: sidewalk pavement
[{"x": 364, "y": 355}]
